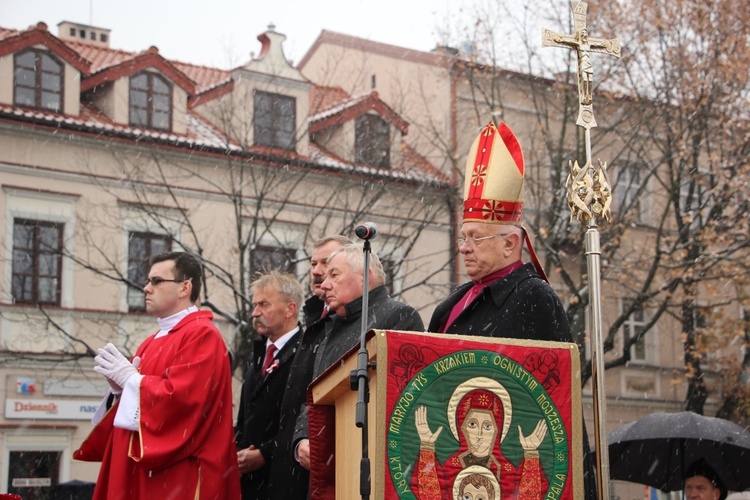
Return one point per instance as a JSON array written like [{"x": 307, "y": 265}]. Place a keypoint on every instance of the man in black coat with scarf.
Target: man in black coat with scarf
[
  {"x": 343, "y": 288},
  {"x": 289, "y": 480},
  {"x": 505, "y": 297},
  {"x": 276, "y": 299}
]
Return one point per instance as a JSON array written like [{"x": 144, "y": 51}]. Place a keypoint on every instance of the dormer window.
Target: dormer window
[
  {"x": 372, "y": 141},
  {"x": 150, "y": 102},
  {"x": 38, "y": 80},
  {"x": 274, "y": 120}
]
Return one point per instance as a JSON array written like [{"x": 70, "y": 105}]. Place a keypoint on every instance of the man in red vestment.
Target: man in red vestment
[{"x": 169, "y": 433}]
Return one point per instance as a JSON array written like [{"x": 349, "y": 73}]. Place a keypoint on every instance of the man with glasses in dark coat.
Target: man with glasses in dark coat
[{"x": 505, "y": 297}]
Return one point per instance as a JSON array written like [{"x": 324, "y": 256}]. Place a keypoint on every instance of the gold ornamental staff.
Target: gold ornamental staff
[{"x": 589, "y": 197}]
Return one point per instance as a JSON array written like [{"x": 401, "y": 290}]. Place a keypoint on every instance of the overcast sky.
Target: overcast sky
[{"x": 223, "y": 33}]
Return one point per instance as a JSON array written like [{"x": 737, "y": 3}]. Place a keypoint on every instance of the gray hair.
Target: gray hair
[
  {"x": 355, "y": 257},
  {"x": 286, "y": 283},
  {"x": 338, "y": 238}
]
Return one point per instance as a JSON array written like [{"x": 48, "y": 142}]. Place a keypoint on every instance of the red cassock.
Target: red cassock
[{"x": 185, "y": 445}]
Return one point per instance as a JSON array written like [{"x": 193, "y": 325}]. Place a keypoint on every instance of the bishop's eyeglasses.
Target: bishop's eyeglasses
[{"x": 472, "y": 242}]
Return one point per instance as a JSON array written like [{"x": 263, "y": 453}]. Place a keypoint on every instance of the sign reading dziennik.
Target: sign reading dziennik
[{"x": 471, "y": 417}]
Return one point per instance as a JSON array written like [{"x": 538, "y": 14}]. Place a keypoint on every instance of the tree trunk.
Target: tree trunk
[{"x": 696, "y": 392}]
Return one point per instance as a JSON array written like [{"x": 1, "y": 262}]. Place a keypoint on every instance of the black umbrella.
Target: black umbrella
[{"x": 657, "y": 449}]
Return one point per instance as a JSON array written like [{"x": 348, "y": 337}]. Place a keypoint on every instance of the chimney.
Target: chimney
[
  {"x": 83, "y": 33},
  {"x": 445, "y": 50}
]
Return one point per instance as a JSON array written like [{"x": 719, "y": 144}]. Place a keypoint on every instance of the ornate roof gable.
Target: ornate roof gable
[{"x": 14, "y": 41}]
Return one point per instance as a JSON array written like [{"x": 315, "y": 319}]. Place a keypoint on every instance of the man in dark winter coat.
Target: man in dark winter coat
[
  {"x": 343, "y": 288},
  {"x": 315, "y": 307},
  {"x": 289, "y": 480},
  {"x": 505, "y": 297},
  {"x": 276, "y": 300}
]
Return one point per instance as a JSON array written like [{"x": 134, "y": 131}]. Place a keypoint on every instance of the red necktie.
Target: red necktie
[{"x": 269, "y": 358}]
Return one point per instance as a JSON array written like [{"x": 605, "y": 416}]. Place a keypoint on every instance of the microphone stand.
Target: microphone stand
[{"x": 359, "y": 380}]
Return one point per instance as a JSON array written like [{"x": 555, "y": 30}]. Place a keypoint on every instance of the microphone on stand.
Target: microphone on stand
[
  {"x": 367, "y": 231},
  {"x": 359, "y": 379}
]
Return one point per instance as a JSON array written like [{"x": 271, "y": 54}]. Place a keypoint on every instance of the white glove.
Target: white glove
[{"x": 114, "y": 366}]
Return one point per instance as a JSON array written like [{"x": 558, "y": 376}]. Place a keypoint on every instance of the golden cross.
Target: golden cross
[{"x": 584, "y": 45}]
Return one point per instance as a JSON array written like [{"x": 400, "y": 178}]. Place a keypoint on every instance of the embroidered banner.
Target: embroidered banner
[{"x": 470, "y": 417}]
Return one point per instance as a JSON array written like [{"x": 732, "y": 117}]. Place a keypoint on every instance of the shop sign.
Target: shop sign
[{"x": 50, "y": 409}]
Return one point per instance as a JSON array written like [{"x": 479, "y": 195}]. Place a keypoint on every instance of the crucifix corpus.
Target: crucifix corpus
[{"x": 589, "y": 198}]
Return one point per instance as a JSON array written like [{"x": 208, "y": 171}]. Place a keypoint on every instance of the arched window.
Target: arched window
[
  {"x": 150, "y": 101},
  {"x": 38, "y": 80}
]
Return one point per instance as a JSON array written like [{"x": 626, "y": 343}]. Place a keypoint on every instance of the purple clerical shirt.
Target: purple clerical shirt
[{"x": 475, "y": 290}]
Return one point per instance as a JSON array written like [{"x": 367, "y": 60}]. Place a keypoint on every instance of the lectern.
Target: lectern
[{"x": 449, "y": 415}]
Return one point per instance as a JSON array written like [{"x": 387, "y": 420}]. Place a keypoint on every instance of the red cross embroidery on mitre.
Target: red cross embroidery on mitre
[
  {"x": 479, "y": 175},
  {"x": 493, "y": 210},
  {"x": 481, "y": 160}
]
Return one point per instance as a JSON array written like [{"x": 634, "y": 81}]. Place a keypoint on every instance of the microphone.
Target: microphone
[{"x": 366, "y": 231}]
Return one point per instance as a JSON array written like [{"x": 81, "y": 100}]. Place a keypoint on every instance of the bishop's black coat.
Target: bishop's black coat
[
  {"x": 258, "y": 416},
  {"x": 520, "y": 305}
]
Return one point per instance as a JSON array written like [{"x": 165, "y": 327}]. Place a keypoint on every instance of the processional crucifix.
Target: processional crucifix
[{"x": 589, "y": 197}]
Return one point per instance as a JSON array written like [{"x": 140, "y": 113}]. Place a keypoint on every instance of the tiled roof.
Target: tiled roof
[
  {"x": 347, "y": 108},
  {"x": 205, "y": 77},
  {"x": 14, "y": 40},
  {"x": 99, "y": 64},
  {"x": 199, "y": 133},
  {"x": 323, "y": 98},
  {"x": 356, "y": 43},
  {"x": 345, "y": 102},
  {"x": 414, "y": 161},
  {"x": 7, "y": 32},
  {"x": 409, "y": 170},
  {"x": 102, "y": 58}
]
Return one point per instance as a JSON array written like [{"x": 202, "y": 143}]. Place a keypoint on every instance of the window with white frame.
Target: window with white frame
[
  {"x": 142, "y": 246},
  {"x": 264, "y": 258},
  {"x": 37, "y": 262},
  {"x": 694, "y": 199},
  {"x": 150, "y": 103},
  {"x": 38, "y": 81},
  {"x": 389, "y": 268},
  {"x": 146, "y": 231},
  {"x": 39, "y": 235},
  {"x": 627, "y": 191},
  {"x": 280, "y": 246},
  {"x": 702, "y": 326},
  {"x": 372, "y": 141},
  {"x": 635, "y": 328},
  {"x": 38, "y": 454},
  {"x": 393, "y": 264},
  {"x": 274, "y": 120}
]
